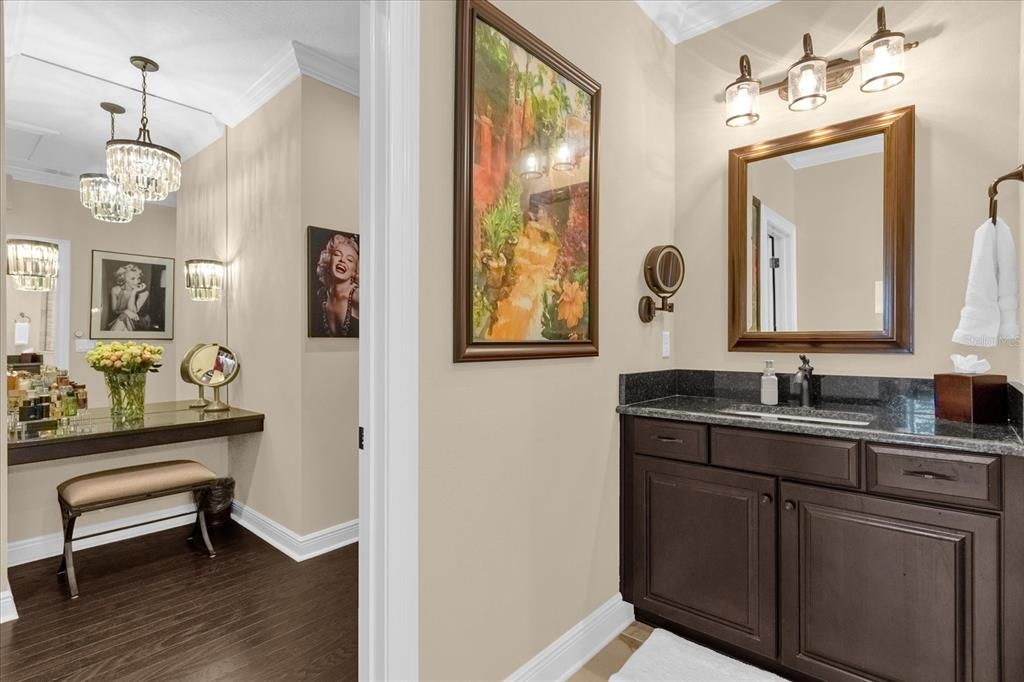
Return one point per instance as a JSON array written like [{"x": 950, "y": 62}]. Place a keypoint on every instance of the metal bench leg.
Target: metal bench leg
[
  {"x": 67, "y": 564},
  {"x": 206, "y": 536}
]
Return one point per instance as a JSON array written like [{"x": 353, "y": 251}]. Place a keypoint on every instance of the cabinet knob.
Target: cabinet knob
[
  {"x": 766, "y": 499},
  {"x": 789, "y": 505}
]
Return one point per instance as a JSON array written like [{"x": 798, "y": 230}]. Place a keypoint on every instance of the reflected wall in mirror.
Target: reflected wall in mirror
[
  {"x": 815, "y": 235},
  {"x": 821, "y": 239}
]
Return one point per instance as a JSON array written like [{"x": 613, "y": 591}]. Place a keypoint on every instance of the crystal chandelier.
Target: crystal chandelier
[
  {"x": 204, "y": 279},
  {"x": 107, "y": 200},
  {"x": 139, "y": 165},
  {"x": 32, "y": 264}
]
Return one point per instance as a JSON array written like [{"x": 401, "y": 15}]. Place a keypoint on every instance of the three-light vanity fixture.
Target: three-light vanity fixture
[
  {"x": 810, "y": 78},
  {"x": 137, "y": 170}
]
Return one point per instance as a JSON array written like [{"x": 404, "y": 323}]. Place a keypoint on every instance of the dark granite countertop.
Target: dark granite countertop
[{"x": 907, "y": 420}]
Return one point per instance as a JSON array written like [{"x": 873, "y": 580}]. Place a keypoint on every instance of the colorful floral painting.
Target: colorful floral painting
[{"x": 530, "y": 218}]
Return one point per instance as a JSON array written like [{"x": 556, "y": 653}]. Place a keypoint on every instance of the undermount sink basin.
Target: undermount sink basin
[{"x": 800, "y": 414}]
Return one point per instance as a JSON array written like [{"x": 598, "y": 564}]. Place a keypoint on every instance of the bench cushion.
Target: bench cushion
[{"x": 127, "y": 482}]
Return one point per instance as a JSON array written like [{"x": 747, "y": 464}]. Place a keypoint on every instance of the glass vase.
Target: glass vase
[{"x": 127, "y": 391}]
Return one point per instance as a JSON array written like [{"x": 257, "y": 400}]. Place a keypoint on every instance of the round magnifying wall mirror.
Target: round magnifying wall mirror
[
  {"x": 213, "y": 365},
  {"x": 664, "y": 271}
]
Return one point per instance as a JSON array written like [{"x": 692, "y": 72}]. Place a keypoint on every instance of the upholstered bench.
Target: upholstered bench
[{"x": 115, "y": 487}]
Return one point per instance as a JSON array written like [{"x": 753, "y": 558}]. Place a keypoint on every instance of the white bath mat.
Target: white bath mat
[{"x": 665, "y": 657}]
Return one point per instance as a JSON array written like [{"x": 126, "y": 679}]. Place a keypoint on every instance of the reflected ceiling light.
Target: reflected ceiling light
[
  {"x": 533, "y": 164},
  {"x": 204, "y": 279},
  {"x": 807, "y": 79},
  {"x": 563, "y": 156},
  {"x": 33, "y": 265},
  {"x": 741, "y": 97},
  {"x": 107, "y": 200},
  {"x": 881, "y": 58},
  {"x": 139, "y": 165}
]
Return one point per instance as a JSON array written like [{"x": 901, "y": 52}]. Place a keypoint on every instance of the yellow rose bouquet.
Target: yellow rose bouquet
[{"x": 124, "y": 366}]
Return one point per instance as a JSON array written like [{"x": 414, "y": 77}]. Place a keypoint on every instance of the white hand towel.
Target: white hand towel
[
  {"x": 990, "y": 304},
  {"x": 21, "y": 333}
]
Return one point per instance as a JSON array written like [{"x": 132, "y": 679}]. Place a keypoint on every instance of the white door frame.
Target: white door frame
[
  {"x": 389, "y": 340},
  {"x": 773, "y": 224}
]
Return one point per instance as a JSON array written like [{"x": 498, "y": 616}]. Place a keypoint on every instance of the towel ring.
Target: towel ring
[
  {"x": 23, "y": 316},
  {"x": 993, "y": 189}
]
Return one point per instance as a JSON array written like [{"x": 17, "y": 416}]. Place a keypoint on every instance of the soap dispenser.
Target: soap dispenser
[{"x": 769, "y": 385}]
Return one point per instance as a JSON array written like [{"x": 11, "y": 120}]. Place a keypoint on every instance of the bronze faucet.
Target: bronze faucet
[{"x": 802, "y": 378}]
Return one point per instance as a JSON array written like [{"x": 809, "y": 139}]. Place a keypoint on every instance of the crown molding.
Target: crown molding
[
  {"x": 298, "y": 60},
  {"x": 681, "y": 20}
]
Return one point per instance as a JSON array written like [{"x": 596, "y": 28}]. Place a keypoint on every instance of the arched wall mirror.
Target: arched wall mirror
[{"x": 821, "y": 239}]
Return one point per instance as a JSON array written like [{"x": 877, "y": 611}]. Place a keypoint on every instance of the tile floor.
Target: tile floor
[{"x": 610, "y": 659}]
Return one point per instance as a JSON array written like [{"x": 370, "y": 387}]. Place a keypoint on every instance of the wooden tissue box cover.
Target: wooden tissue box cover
[{"x": 974, "y": 398}]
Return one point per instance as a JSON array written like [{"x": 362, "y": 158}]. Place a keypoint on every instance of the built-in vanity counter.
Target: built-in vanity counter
[
  {"x": 163, "y": 423},
  {"x": 891, "y": 549}
]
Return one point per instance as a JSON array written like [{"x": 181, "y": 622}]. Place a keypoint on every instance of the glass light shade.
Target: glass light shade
[
  {"x": 881, "y": 63},
  {"x": 532, "y": 164},
  {"x": 204, "y": 279},
  {"x": 144, "y": 168},
  {"x": 741, "y": 103},
  {"x": 563, "y": 156},
  {"x": 33, "y": 265},
  {"x": 807, "y": 84},
  {"x": 107, "y": 200}
]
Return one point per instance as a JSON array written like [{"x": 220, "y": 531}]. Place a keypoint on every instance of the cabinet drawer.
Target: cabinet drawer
[
  {"x": 953, "y": 477},
  {"x": 825, "y": 460},
  {"x": 675, "y": 440}
]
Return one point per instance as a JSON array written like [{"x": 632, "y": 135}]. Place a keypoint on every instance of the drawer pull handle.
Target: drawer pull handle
[
  {"x": 929, "y": 475},
  {"x": 789, "y": 505},
  {"x": 766, "y": 499},
  {"x": 667, "y": 439}
]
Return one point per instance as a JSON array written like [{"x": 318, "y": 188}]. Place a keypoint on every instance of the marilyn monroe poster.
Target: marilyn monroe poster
[
  {"x": 132, "y": 296},
  {"x": 333, "y": 265}
]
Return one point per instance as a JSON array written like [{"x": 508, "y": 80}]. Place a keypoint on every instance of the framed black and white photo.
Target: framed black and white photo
[
  {"x": 332, "y": 266},
  {"x": 132, "y": 296}
]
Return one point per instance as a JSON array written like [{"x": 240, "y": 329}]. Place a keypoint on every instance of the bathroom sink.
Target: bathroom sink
[{"x": 808, "y": 415}]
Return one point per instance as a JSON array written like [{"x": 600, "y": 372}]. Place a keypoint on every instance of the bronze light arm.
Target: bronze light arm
[{"x": 993, "y": 189}]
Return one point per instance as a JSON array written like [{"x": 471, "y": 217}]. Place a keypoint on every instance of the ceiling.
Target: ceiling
[
  {"x": 683, "y": 19},
  {"x": 219, "y": 62}
]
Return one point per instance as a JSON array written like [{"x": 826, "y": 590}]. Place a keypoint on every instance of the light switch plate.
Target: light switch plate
[
  {"x": 666, "y": 344},
  {"x": 84, "y": 345}
]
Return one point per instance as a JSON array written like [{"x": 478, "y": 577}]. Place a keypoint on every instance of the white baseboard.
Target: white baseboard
[
  {"x": 571, "y": 651},
  {"x": 7, "y": 610},
  {"x": 45, "y": 546},
  {"x": 298, "y": 547}
]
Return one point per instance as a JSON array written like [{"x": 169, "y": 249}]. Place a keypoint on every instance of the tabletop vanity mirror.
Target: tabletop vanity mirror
[
  {"x": 210, "y": 365},
  {"x": 821, "y": 228}
]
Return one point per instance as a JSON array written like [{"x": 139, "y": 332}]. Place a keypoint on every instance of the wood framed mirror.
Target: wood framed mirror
[{"x": 821, "y": 239}]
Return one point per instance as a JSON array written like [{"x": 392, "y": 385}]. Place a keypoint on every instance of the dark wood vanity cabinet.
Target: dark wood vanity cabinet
[
  {"x": 704, "y": 553},
  {"x": 875, "y": 575},
  {"x": 884, "y": 590}
]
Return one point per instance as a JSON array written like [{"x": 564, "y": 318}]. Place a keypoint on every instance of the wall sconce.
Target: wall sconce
[
  {"x": 533, "y": 164},
  {"x": 809, "y": 79},
  {"x": 741, "y": 97},
  {"x": 563, "y": 156},
  {"x": 664, "y": 270},
  {"x": 32, "y": 264},
  {"x": 881, "y": 58},
  {"x": 204, "y": 279}
]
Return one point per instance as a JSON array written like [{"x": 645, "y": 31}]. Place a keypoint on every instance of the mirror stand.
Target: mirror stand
[
  {"x": 201, "y": 401},
  {"x": 217, "y": 405}
]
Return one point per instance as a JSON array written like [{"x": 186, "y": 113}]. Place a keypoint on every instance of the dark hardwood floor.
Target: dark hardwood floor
[{"x": 152, "y": 608}]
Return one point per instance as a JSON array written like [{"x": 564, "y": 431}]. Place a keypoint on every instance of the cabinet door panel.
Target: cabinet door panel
[
  {"x": 883, "y": 590},
  {"x": 704, "y": 552}
]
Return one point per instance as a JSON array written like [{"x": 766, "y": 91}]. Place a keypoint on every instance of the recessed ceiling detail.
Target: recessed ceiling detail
[
  {"x": 683, "y": 19},
  {"x": 221, "y": 61}
]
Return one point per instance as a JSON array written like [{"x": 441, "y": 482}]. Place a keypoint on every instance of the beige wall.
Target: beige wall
[
  {"x": 968, "y": 127},
  {"x": 38, "y": 210},
  {"x": 839, "y": 243},
  {"x": 330, "y": 367},
  {"x": 33, "y": 304},
  {"x": 519, "y": 460},
  {"x": 294, "y": 162}
]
